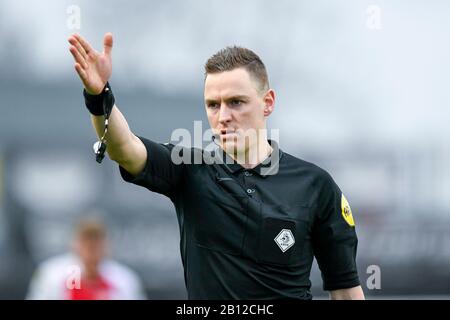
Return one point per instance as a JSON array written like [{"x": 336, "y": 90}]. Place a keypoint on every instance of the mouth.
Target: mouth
[{"x": 227, "y": 134}]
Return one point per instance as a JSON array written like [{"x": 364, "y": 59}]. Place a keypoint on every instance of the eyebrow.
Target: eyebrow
[{"x": 235, "y": 97}]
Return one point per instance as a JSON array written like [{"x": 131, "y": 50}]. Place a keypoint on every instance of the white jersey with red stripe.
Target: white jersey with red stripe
[{"x": 55, "y": 277}]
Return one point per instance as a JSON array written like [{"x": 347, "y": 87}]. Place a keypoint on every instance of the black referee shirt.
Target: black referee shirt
[{"x": 249, "y": 235}]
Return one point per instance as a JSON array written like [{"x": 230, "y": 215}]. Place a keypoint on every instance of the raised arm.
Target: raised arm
[{"x": 94, "y": 69}]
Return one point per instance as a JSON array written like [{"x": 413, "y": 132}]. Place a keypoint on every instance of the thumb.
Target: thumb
[{"x": 108, "y": 43}]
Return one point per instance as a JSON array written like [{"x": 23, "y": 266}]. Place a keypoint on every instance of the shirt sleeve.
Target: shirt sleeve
[
  {"x": 47, "y": 283},
  {"x": 161, "y": 174},
  {"x": 334, "y": 238},
  {"x": 38, "y": 288}
]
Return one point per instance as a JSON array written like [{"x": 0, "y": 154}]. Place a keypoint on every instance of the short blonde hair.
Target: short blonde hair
[
  {"x": 231, "y": 58},
  {"x": 91, "y": 229}
]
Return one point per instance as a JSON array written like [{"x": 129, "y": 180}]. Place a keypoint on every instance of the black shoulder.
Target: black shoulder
[
  {"x": 317, "y": 174},
  {"x": 318, "y": 179}
]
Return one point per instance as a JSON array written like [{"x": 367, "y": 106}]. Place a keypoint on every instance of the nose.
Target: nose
[{"x": 224, "y": 113}]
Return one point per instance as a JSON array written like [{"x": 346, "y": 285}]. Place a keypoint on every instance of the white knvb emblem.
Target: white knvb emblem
[{"x": 285, "y": 239}]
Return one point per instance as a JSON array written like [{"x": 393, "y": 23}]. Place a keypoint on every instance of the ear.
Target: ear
[{"x": 269, "y": 102}]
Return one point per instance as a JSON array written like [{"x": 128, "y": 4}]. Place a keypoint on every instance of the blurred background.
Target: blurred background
[{"x": 362, "y": 91}]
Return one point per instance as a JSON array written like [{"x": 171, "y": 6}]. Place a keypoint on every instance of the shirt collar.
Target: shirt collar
[{"x": 267, "y": 167}]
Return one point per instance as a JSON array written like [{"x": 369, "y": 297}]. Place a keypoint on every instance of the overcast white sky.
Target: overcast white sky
[{"x": 329, "y": 68}]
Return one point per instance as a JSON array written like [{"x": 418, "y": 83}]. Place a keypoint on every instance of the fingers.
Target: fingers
[
  {"x": 73, "y": 41},
  {"x": 108, "y": 43},
  {"x": 78, "y": 57},
  {"x": 81, "y": 72},
  {"x": 86, "y": 46}
]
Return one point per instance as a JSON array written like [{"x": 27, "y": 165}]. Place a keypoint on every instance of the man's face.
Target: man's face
[
  {"x": 90, "y": 250},
  {"x": 236, "y": 108}
]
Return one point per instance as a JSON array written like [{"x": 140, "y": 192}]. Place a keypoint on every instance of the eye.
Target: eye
[
  {"x": 213, "y": 105},
  {"x": 236, "y": 102}
]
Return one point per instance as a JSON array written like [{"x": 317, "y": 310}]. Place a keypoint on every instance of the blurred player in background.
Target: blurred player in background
[{"x": 85, "y": 273}]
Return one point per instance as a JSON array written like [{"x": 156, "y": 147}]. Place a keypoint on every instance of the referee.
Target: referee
[{"x": 252, "y": 217}]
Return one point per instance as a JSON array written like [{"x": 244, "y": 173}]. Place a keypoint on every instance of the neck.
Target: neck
[
  {"x": 91, "y": 272},
  {"x": 253, "y": 155}
]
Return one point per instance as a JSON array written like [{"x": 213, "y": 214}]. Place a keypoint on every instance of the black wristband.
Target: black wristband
[{"x": 96, "y": 104}]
